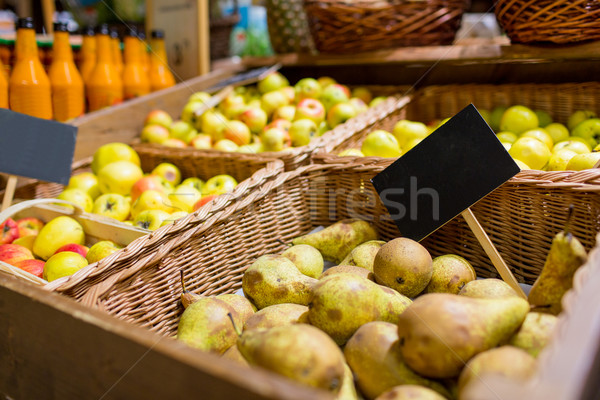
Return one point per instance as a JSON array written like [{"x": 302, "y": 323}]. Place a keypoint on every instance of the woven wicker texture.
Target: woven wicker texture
[
  {"x": 288, "y": 28},
  {"x": 556, "y": 21},
  {"x": 339, "y": 26},
  {"x": 214, "y": 249}
]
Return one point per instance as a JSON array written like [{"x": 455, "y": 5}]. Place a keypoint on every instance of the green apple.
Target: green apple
[
  {"x": 202, "y": 142},
  {"x": 541, "y": 135},
  {"x": 351, "y": 153},
  {"x": 376, "y": 101},
  {"x": 589, "y": 130},
  {"x": 332, "y": 95},
  {"x": 200, "y": 97},
  {"x": 544, "y": 118},
  {"x": 274, "y": 139},
  {"x": 285, "y": 112},
  {"x": 213, "y": 123},
  {"x": 578, "y": 146},
  {"x": 112, "y": 205},
  {"x": 237, "y": 132},
  {"x": 560, "y": 159},
  {"x": 87, "y": 182},
  {"x": 225, "y": 145},
  {"x": 158, "y": 117},
  {"x": 312, "y": 109},
  {"x": 340, "y": 113},
  {"x": 273, "y": 81},
  {"x": 271, "y": 101},
  {"x": 362, "y": 93},
  {"x": 219, "y": 184},
  {"x": 578, "y": 117},
  {"x": 359, "y": 105},
  {"x": 255, "y": 118},
  {"x": 62, "y": 264},
  {"x": 404, "y": 131},
  {"x": 188, "y": 114},
  {"x": 583, "y": 161},
  {"x": 381, "y": 143},
  {"x": 184, "y": 197},
  {"x": 195, "y": 182},
  {"x": 496, "y": 117},
  {"x": 531, "y": 151},
  {"x": 168, "y": 172},
  {"x": 119, "y": 177},
  {"x": 57, "y": 233},
  {"x": 302, "y": 131},
  {"x": 76, "y": 196},
  {"x": 151, "y": 219},
  {"x": 307, "y": 88},
  {"x": 557, "y": 131},
  {"x": 183, "y": 131},
  {"x": 112, "y": 152},
  {"x": 507, "y": 137},
  {"x": 232, "y": 106},
  {"x": 323, "y": 127},
  {"x": 154, "y": 134},
  {"x": 252, "y": 148},
  {"x": 151, "y": 200},
  {"x": 518, "y": 119},
  {"x": 101, "y": 249}
]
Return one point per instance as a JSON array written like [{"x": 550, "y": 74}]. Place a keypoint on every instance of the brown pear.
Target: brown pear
[
  {"x": 234, "y": 354},
  {"x": 450, "y": 274},
  {"x": 349, "y": 269},
  {"x": 277, "y": 315},
  {"x": 410, "y": 392},
  {"x": 364, "y": 254},
  {"x": 306, "y": 258},
  {"x": 490, "y": 288},
  {"x": 348, "y": 390},
  {"x": 242, "y": 305},
  {"x": 535, "y": 332}
]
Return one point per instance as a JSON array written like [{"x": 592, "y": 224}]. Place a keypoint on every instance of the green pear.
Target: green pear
[
  {"x": 277, "y": 315},
  {"x": 403, "y": 265},
  {"x": 373, "y": 354},
  {"x": 439, "y": 332},
  {"x": 233, "y": 353},
  {"x": 306, "y": 258},
  {"x": 274, "y": 279},
  {"x": 336, "y": 241},
  {"x": 506, "y": 361},
  {"x": 363, "y": 255},
  {"x": 206, "y": 325},
  {"x": 450, "y": 274},
  {"x": 300, "y": 352},
  {"x": 490, "y": 288},
  {"x": 535, "y": 332},
  {"x": 410, "y": 392},
  {"x": 348, "y": 390},
  {"x": 242, "y": 305},
  {"x": 342, "y": 303},
  {"x": 349, "y": 269}
]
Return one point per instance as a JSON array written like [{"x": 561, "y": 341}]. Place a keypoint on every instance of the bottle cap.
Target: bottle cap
[
  {"x": 60, "y": 27},
  {"x": 25, "y": 23},
  {"x": 132, "y": 32},
  {"x": 114, "y": 34},
  {"x": 158, "y": 34},
  {"x": 103, "y": 30},
  {"x": 89, "y": 31},
  {"x": 142, "y": 35}
]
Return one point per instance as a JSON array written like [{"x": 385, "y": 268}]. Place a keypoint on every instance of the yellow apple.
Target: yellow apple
[
  {"x": 577, "y": 146},
  {"x": 151, "y": 200},
  {"x": 518, "y": 119},
  {"x": 168, "y": 172},
  {"x": 557, "y": 131},
  {"x": 151, "y": 219},
  {"x": 531, "y": 151},
  {"x": 100, "y": 250},
  {"x": 351, "y": 152},
  {"x": 65, "y": 263},
  {"x": 193, "y": 181},
  {"x": 112, "y": 205},
  {"x": 219, "y": 184},
  {"x": 55, "y": 234},
  {"x": 26, "y": 241},
  {"x": 404, "y": 131},
  {"x": 560, "y": 159},
  {"x": 225, "y": 145},
  {"x": 112, "y": 152},
  {"x": 87, "y": 182},
  {"x": 541, "y": 135},
  {"x": 507, "y": 137},
  {"x": 583, "y": 161},
  {"x": 119, "y": 177},
  {"x": 381, "y": 143},
  {"x": 174, "y": 217},
  {"x": 184, "y": 197},
  {"x": 76, "y": 196}
]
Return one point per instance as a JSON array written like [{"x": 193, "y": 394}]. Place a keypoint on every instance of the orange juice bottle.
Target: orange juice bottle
[
  {"x": 67, "y": 86},
  {"x": 88, "y": 54},
  {"x": 3, "y": 88},
  {"x": 145, "y": 54},
  {"x": 135, "y": 80},
  {"x": 29, "y": 86},
  {"x": 116, "y": 51},
  {"x": 105, "y": 87},
  {"x": 160, "y": 75}
]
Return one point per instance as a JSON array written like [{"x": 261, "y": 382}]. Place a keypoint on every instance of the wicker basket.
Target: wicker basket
[
  {"x": 339, "y": 26},
  {"x": 555, "y": 21},
  {"x": 288, "y": 28}
]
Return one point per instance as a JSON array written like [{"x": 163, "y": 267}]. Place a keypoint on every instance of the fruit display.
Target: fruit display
[
  {"x": 118, "y": 188},
  {"x": 270, "y": 116},
  {"x": 402, "y": 322}
]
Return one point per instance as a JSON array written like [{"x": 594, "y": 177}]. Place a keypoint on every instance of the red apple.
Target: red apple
[
  {"x": 279, "y": 123},
  {"x": 312, "y": 109},
  {"x": 202, "y": 141},
  {"x": 74, "y": 247},
  {"x": 203, "y": 201},
  {"x": 149, "y": 182},
  {"x": 255, "y": 118},
  {"x": 9, "y": 231},
  {"x": 29, "y": 226},
  {"x": 33, "y": 266},
  {"x": 154, "y": 134},
  {"x": 172, "y": 142},
  {"x": 13, "y": 253},
  {"x": 237, "y": 132},
  {"x": 158, "y": 117}
]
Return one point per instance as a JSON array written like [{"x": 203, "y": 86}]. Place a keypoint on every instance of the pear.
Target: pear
[
  {"x": 306, "y": 258},
  {"x": 242, "y": 305},
  {"x": 300, "y": 352},
  {"x": 206, "y": 325},
  {"x": 341, "y": 303},
  {"x": 373, "y": 354},
  {"x": 403, "y": 265},
  {"x": 277, "y": 315},
  {"x": 566, "y": 255},
  {"x": 233, "y": 353},
  {"x": 410, "y": 392},
  {"x": 507, "y": 361},
  {"x": 439, "y": 332},
  {"x": 489, "y": 288},
  {"x": 363, "y": 255},
  {"x": 535, "y": 332},
  {"x": 274, "y": 279},
  {"x": 348, "y": 390},
  {"x": 349, "y": 269},
  {"x": 450, "y": 274},
  {"x": 336, "y": 241}
]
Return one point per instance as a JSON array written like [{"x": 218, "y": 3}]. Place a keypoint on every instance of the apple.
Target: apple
[
  {"x": 12, "y": 253},
  {"x": 86, "y": 181},
  {"x": 151, "y": 219},
  {"x": 583, "y": 161},
  {"x": 154, "y": 134},
  {"x": 405, "y": 130},
  {"x": 225, "y": 145},
  {"x": 219, "y": 184},
  {"x": 201, "y": 142},
  {"x": 302, "y": 131},
  {"x": 101, "y": 249},
  {"x": 271, "y": 101},
  {"x": 25, "y": 241},
  {"x": 359, "y": 105},
  {"x": 112, "y": 205},
  {"x": 175, "y": 143},
  {"x": 232, "y": 105},
  {"x": 183, "y": 131},
  {"x": 199, "y": 97},
  {"x": 255, "y": 118},
  {"x": 274, "y": 81},
  {"x": 76, "y": 196},
  {"x": 213, "y": 123},
  {"x": 332, "y": 95},
  {"x": 413, "y": 142},
  {"x": 577, "y": 146},
  {"x": 544, "y": 118},
  {"x": 560, "y": 159},
  {"x": 174, "y": 217},
  {"x": 184, "y": 197},
  {"x": 541, "y": 135},
  {"x": 496, "y": 117},
  {"x": 362, "y": 93},
  {"x": 340, "y": 113},
  {"x": 578, "y": 117},
  {"x": 9, "y": 231},
  {"x": 203, "y": 201},
  {"x": 506, "y": 145},
  {"x": 285, "y": 112},
  {"x": 323, "y": 127},
  {"x": 531, "y": 151},
  {"x": 112, "y": 152},
  {"x": 557, "y": 131},
  {"x": 325, "y": 81},
  {"x": 351, "y": 153},
  {"x": 55, "y": 234},
  {"x": 168, "y": 172},
  {"x": 188, "y": 114},
  {"x": 149, "y": 182},
  {"x": 274, "y": 139},
  {"x": 589, "y": 130},
  {"x": 252, "y": 148},
  {"x": 376, "y": 101},
  {"x": 75, "y": 248},
  {"x": 312, "y": 109},
  {"x": 381, "y": 143},
  {"x": 518, "y": 119},
  {"x": 283, "y": 124},
  {"x": 158, "y": 117},
  {"x": 237, "y": 132},
  {"x": 29, "y": 226},
  {"x": 196, "y": 183},
  {"x": 119, "y": 177},
  {"x": 253, "y": 103},
  {"x": 507, "y": 137},
  {"x": 33, "y": 266},
  {"x": 63, "y": 264},
  {"x": 151, "y": 200},
  {"x": 307, "y": 88}
]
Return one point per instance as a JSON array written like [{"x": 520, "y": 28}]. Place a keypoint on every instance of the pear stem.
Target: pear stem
[
  {"x": 182, "y": 282},
  {"x": 569, "y": 219},
  {"x": 282, "y": 242},
  {"x": 235, "y": 328}
]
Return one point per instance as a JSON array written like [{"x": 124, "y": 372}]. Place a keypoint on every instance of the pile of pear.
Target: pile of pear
[{"x": 387, "y": 322}]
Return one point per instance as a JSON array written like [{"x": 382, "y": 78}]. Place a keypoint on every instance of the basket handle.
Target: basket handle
[{"x": 16, "y": 208}]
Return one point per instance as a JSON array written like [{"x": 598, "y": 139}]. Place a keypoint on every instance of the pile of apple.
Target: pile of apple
[
  {"x": 117, "y": 188},
  {"x": 52, "y": 250},
  {"x": 270, "y": 116},
  {"x": 530, "y": 136}
]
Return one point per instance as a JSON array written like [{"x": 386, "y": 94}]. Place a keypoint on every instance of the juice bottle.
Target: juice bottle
[
  {"x": 29, "y": 86},
  {"x": 67, "y": 86},
  {"x": 135, "y": 80},
  {"x": 3, "y": 88},
  {"x": 116, "y": 51},
  {"x": 145, "y": 54},
  {"x": 88, "y": 54},
  {"x": 105, "y": 87},
  {"x": 160, "y": 75}
]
